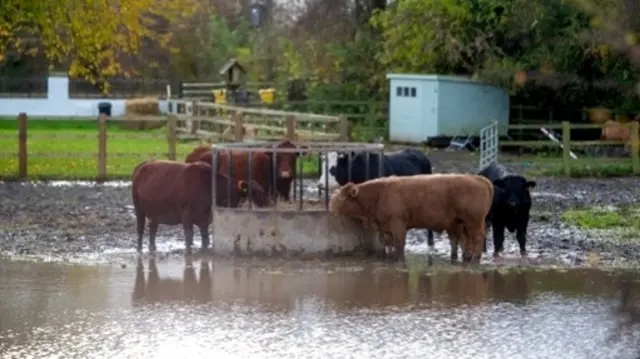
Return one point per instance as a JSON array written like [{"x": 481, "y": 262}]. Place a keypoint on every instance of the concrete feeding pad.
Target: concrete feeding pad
[{"x": 286, "y": 229}]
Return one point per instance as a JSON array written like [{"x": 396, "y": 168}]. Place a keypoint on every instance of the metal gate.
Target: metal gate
[{"x": 489, "y": 145}]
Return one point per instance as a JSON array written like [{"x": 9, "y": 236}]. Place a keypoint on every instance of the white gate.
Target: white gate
[{"x": 489, "y": 145}]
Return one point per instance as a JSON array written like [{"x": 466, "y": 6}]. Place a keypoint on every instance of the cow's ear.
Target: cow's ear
[
  {"x": 530, "y": 184},
  {"x": 350, "y": 190},
  {"x": 499, "y": 183}
]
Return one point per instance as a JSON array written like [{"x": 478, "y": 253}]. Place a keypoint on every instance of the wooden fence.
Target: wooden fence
[
  {"x": 213, "y": 122},
  {"x": 567, "y": 145},
  {"x": 171, "y": 139},
  {"x": 105, "y": 150}
]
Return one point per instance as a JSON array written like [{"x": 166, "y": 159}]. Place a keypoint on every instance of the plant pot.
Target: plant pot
[{"x": 600, "y": 114}]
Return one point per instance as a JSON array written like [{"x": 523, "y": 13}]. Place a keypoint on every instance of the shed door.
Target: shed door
[
  {"x": 429, "y": 115},
  {"x": 406, "y": 124}
]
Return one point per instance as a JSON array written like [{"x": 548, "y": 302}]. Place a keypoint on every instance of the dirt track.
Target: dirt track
[{"x": 45, "y": 219}]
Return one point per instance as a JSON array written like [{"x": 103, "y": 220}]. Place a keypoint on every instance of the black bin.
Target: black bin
[{"x": 104, "y": 107}]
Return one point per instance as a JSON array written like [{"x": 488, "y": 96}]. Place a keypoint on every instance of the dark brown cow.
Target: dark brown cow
[
  {"x": 455, "y": 203},
  {"x": 172, "y": 193},
  {"x": 261, "y": 166},
  {"x": 199, "y": 154},
  {"x": 286, "y": 165}
]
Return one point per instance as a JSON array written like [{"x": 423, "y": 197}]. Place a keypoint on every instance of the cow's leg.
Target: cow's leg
[
  {"x": 498, "y": 238},
  {"x": 286, "y": 193},
  {"x": 153, "y": 230},
  {"x": 456, "y": 240},
  {"x": 484, "y": 242},
  {"x": 204, "y": 234},
  {"x": 521, "y": 236},
  {"x": 430, "y": 241},
  {"x": 473, "y": 241},
  {"x": 398, "y": 231},
  {"x": 140, "y": 219},
  {"x": 453, "y": 240},
  {"x": 187, "y": 225}
]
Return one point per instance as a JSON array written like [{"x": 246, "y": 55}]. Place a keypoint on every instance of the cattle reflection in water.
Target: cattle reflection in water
[
  {"x": 157, "y": 289},
  {"x": 329, "y": 288}
]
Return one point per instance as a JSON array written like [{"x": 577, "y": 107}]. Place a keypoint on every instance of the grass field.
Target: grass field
[
  {"x": 62, "y": 148},
  {"x": 67, "y": 149}
]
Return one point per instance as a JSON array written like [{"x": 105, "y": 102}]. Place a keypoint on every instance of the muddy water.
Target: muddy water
[{"x": 215, "y": 308}]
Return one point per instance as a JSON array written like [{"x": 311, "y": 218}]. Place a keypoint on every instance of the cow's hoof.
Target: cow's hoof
[{"x": 524, "y": 254}]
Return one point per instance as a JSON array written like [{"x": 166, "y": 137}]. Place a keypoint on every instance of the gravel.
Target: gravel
[{"x": 70, "y": 219}]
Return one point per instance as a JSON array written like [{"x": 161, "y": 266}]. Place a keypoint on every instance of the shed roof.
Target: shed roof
[
  {"x": 432, "y": 77},
  {"x": 435, "y": 77}
]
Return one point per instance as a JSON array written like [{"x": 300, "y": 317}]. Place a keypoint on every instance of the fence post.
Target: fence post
[
  {"x": 635, "y": 147},
  {"x": 22, "y": 145},
  {"x": 290, "y": 125},
  {"x": 566, "y": 147},
  {"x": 195, "y": 124},
  {"x": 172, "y": 136},
  {"x": 102, "y": 147},
  {"x": 238, "y": 128},
  {"x": 344, "y": 128}
]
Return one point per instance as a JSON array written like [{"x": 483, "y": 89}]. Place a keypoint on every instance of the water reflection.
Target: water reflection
[
  {"x": 157, "y": 289},
  {"x": 282, "y": 309}
]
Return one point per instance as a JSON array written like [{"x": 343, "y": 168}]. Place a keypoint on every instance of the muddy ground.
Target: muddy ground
[{"x": 37, "y": 218}]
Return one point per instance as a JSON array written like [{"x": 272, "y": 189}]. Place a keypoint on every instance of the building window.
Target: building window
[{"x": 406, "y": 91}]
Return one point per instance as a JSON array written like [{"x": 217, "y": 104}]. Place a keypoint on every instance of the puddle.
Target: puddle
[{"x": 232, "y": 308}]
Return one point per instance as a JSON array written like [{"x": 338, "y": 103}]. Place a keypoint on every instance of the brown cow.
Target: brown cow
[
  {"x": 615, "y": 131},
  {"x": 455, "y": 203},
  {"x": 172, "y": 193},
  {"x": 261, "y": 166},
  {"x": 200, "y": 153},
  {"x": 286, "y": 165}
]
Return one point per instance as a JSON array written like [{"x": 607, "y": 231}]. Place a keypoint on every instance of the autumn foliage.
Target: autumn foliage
[{"x": 90, "y": 37}]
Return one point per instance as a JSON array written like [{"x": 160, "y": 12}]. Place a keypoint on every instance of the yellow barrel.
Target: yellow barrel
[
  {"x": 267, "y": 95},
  {"x": 220, "y": 96}
]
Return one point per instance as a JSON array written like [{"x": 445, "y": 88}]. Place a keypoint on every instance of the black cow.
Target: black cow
[
  {"x": 510, "y": 207},
  {"x": 407, "y": 162}
]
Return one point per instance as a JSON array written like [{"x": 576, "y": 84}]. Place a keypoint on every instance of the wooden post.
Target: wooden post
[
  {"x": 172, "y": 136},
  {"x": 238, "y": 128},
  {"x": 635, "y": 147},
  {"x": 195, "y": 124},
  {"x": 344, "y": 129},
  {"x": 290, "y": 125},
  {"x": 566, "y": 150},
  {"x": 22, "y": 145},
  {"x": 102, "y": 147}
]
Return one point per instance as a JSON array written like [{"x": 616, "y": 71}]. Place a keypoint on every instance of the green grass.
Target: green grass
[
  {"x": 72, "y": 147},
  {"x": 627, "y": 218},
  {"x": 580, "y": 168}
]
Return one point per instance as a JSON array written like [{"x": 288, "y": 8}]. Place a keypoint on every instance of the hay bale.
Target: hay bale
[
  {"x": 131, "y": 122},
  {"x": 147, "y": 106},
  {"x": 135, "y": 112}
]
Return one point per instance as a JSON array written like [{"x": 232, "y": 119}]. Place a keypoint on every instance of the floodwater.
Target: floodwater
[{"x": 226, "y": 308}]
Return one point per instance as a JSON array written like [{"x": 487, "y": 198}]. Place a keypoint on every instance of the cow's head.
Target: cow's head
[
  {"x": 514, "y": 191},
  {"x": 341, "y": 169},
  {"x": 285, "y": 161},
  {"x": 345, "y": 201}
]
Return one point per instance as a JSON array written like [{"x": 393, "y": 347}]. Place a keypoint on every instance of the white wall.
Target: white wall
[{"x": 58, "y": 103}]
